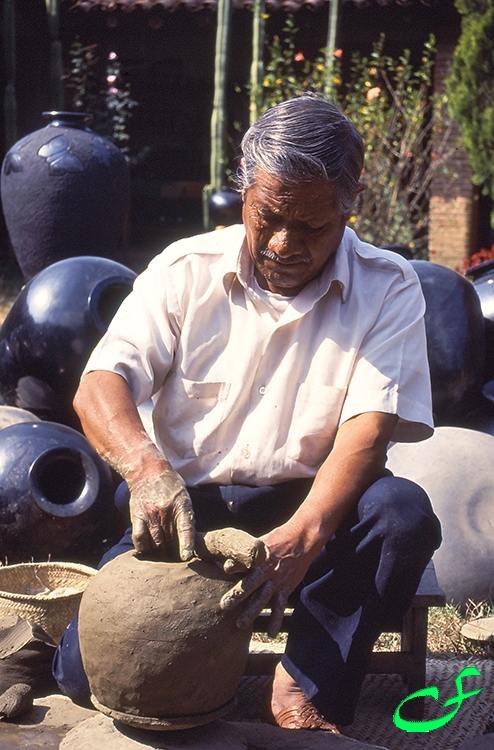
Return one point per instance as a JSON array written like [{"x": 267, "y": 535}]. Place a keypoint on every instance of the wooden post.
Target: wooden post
[
  {"x": 257, "y": 66},
  {"x": 9, "y": 98},
  {"x": 218, "y": 117}
]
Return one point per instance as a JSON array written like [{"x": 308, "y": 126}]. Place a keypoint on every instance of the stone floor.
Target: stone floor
[{"x": 55, "y": 722}]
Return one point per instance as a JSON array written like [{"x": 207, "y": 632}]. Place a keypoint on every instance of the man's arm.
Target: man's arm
[
  {"x": 159, "y": 501},
  {"x": 356, "y": 461}
]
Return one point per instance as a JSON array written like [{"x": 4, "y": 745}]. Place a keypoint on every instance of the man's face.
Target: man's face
[{"x": 291, "y": 230}]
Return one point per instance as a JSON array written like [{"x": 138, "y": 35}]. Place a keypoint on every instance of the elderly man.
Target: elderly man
[{"x": 281, "y": 357}]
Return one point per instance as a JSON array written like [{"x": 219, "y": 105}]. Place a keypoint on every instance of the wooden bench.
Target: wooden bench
[{"x": 410, "y": 661}]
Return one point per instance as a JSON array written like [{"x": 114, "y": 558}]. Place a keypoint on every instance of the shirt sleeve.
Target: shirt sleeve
[
  {"x": 141, "y": 339},
  {"x": 391, "y": 372}
]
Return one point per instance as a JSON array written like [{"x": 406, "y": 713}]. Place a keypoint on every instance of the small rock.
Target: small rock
[
  {"x": 481, "y": 629},
  {"x": 15, "y": 700}
]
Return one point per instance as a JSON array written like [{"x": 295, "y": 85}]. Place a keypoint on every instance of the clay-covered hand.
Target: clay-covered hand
[
  {"x": 270, "y": 584},
  {"x": 162, "y": 515}
]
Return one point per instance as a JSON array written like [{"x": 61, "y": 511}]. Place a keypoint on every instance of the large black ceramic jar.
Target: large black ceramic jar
[
  {"x": 65, "y": 191},
  {"x": 56, "y": 494},
  {"x": 482, "y": 277},
  {"x": 225, "y": 208},
  {"x": 51, "y": 329},
  {"x": 455, "y": 342}
]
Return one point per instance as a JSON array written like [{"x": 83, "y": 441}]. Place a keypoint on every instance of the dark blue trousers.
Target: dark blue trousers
[{"x": 363, "y": 580}]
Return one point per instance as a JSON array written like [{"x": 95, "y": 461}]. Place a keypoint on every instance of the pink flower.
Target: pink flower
[{"x": 299, "y": 57}]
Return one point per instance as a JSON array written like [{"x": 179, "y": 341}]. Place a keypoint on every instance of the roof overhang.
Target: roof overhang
[{"x": 290, "y": 5}]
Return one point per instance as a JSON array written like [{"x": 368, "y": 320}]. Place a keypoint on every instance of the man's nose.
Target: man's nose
[{"x": 283, "y": 243}]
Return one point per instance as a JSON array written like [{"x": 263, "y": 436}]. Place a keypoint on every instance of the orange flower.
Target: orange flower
[
  {"x": 338, "y": 53},
  {"x": 299, "y": 57},
  {"x": 373, "y": 93}
]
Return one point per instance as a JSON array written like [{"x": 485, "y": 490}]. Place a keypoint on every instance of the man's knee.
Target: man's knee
[{"x": 402, "y": 509}]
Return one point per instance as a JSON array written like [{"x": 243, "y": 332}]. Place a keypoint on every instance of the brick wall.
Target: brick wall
[{"x": 452, "y": 205}]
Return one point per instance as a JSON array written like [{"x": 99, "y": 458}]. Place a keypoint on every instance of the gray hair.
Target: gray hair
[{"x": 302, "y": 139}]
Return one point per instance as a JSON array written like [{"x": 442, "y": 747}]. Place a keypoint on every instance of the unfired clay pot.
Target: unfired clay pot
[{"x": 158, "y": 651}]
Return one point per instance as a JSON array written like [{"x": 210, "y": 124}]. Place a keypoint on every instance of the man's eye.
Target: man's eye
[
  {"x": 316, "y": 231},
  {"x": 264, "y": 221}
]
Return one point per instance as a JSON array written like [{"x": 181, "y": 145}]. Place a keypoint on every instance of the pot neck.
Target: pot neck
[{"x": 69, "y": 119}]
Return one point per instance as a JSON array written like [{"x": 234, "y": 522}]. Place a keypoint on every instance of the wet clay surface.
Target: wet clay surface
[{"x": 154, "y": 641}]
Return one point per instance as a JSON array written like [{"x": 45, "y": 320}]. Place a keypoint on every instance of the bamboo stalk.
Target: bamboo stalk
[
  {"x": 56, "y": 65},
  {"x": 218, "y": 117},
  {"x": 331, "y": 45},
  {"x": 257, "y": 66}
]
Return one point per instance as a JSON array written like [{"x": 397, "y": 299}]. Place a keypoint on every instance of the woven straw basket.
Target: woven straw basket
[{"x": 19, "y": 584}]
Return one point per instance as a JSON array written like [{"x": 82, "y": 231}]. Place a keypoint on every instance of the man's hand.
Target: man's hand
[
  {"x": 270, "y": 584},
  {"x": 356, "y": 461},
  {"x": 161, "y": 513}
]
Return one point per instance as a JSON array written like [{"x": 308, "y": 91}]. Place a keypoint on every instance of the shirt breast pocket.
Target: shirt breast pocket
[
  {"x": 314, "y": 423},
  {"x": 191, "y": 416}
]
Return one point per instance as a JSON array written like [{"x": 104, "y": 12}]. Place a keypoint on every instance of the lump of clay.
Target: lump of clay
[{"x": 157, "y": 650}]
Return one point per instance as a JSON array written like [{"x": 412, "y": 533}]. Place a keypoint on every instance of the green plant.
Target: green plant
[
  {"x": 471, "y": 94},
  {"x": 404, "y": 127},
  {"x": 97, "y": 87}
]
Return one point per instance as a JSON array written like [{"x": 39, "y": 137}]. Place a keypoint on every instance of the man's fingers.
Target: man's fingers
[
  {"x": 184, "y": 523},
  {"x": 277, "y": 612},
  {"x": 257, "y": 603},
  {"x": 158, "y": 534},
  {"x": 232, "y": 566},
  {"x": 140, "y": 536},
  {"x": 242, "y": 589},
  {"x": 186, "y": 532}
]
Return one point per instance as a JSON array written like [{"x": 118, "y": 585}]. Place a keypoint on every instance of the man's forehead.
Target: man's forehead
[{"x": 270, "y": 193}]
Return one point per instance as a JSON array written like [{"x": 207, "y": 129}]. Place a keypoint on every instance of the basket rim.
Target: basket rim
[{"x": 74, "y": 567}]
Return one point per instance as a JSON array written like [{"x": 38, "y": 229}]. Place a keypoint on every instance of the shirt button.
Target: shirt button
[
  {"x": 262, "y": 390},
  {"x": 246, "y": 453}
]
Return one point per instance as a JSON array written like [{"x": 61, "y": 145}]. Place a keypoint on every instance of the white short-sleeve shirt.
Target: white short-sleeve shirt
[{"x": 248, "y": 391}]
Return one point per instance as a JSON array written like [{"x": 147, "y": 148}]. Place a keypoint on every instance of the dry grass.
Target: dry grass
[
  {"x": 444, "y": 640},
  {"x": 9, "y": 289}
]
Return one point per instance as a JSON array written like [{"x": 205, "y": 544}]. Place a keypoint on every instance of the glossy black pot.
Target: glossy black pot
[
  {"x": 56, "y": 494},
  {"x": 65, "y": 192},
  {"x": 51, "y": 329},
  {"x": 455, "y": 342},
  {"x": 482, "y": 277},
  {"x": 225, "y": 208}
]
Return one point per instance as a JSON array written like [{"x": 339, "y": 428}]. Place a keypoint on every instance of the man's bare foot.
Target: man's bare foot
[{"x": 290, "y": 707}]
